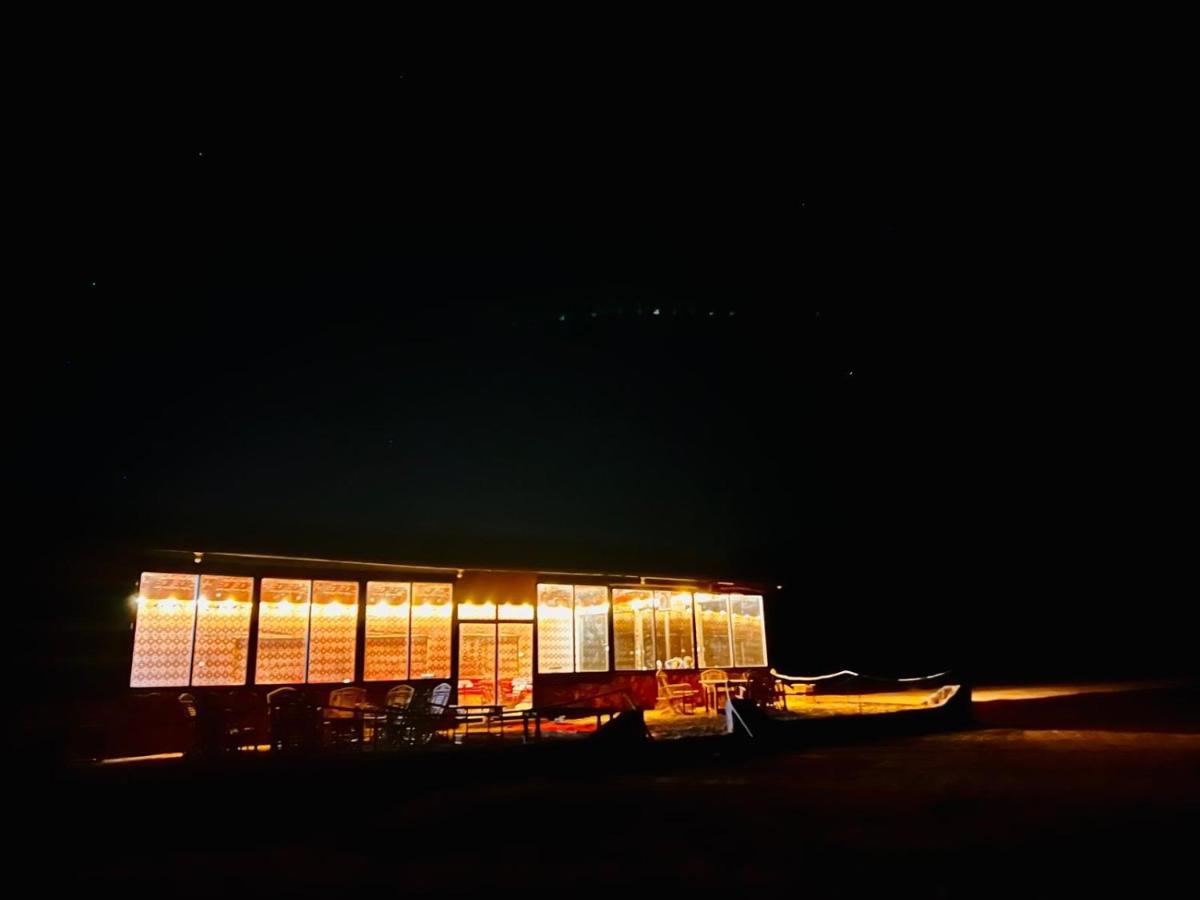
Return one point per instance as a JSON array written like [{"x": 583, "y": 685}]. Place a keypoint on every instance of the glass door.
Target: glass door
[
  {"x": 515, "y": 665},
  {"x": 476, "y": 664},
  {"x": 495, "y": 664}
]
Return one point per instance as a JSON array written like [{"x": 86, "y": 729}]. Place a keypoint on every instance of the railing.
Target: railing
[{"x": 537, "y": 713}]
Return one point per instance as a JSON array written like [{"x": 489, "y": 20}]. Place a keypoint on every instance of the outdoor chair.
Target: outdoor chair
[
  {"x": 681, "y": 698},
  {"x": 290, "y": 720},
  {"x": 395, "y": 722},
  {"x": 766, "y": 690},
  {"x": 433, "y": 716},
  {"x": 421, "y": 720},
  {"x": 342, "y": 716},
  {"x": 400, "y": 696}
]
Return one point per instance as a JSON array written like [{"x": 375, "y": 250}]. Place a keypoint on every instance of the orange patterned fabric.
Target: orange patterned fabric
[
  {"x": 162, "y": 640},
  {"x": 282, "y": 631},
  {"x": 222, "y": 630},
  {"x": 385, "y": 656},
  {"x": 333, "y": 635}
]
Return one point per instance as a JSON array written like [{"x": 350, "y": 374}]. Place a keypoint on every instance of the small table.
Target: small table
[
  {"x": 362, "y": 715},
  {"x": 486, "y": 713},
  {"x": 726, "y": 684}
]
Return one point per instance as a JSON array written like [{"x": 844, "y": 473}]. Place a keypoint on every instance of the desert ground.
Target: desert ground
[{"x": 1062, "y": 790}]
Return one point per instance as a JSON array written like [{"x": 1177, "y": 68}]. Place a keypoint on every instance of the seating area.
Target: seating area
[
  {"x": 715, "y": 687},
  {"x": 406, "y": 716}
]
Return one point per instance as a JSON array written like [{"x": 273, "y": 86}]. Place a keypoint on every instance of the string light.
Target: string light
[{"x": 856, "y": 675}]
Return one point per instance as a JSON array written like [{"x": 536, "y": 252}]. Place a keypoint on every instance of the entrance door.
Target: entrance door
[{"x": 495, "y": 664}]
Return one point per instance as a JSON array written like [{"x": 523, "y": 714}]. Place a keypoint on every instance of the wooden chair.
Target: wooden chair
[
  {"x": 342, "y": 716},
  {"x": 679, "y": 697},
  {"x": 394, "y": 726},
  {"x": 400, "y": 696}
]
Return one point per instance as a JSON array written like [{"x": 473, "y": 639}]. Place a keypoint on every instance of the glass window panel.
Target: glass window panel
[
  {"x": 673, "y": 629},
  {"x": 482, "y": 610},
  {"x": 162, "y": 637},
  {"x": 591, "y": 629},
  {"x": 633, "y": 628},
  {"x": 515, "y": 665},
  {"x": 518, "y": 611},
  {"x": 222, "y": 630},
  {"x": 385, "y": 655},
  {"x": 749, "y": 636},
  {"x": 712, "y": 628},
  {"x": 476, "y": 663},
  {"x": 282, "y": 631},
  {"x": 555, "y": 645},
  {"x": 431, "y": 628},
  {"x": 333, "y": 638}
]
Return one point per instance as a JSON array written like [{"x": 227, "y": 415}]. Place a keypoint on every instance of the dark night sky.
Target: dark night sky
[{"x": 914, "y": 378}]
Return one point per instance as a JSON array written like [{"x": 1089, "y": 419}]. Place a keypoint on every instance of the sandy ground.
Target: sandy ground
[{"x": 1069, "y": 793}]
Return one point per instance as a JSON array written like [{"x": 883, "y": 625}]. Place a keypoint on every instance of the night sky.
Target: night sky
[{"x": 632, "y": 325}]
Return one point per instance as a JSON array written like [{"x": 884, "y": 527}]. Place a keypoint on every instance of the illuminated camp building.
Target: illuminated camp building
[{"x": 511, "y": 638}]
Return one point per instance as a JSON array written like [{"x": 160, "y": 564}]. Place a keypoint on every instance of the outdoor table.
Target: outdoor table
[
  {"x": 728, "y": 684},
  {"x": 477, "y": 712},
  {"x": 361, "y": 713}
]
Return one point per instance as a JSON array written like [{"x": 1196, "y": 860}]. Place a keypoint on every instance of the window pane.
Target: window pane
[
  {"x": 515, "y": 665},
  {"x": 555, "y": 647},
  {"x": 386, "y": 652},
  {"x": 712, "y": 627},
  {"x": 591, "y": 629},
  {"x": 222, "y": 630},
  {"x": 282, "y": 631},
  {"x": 484, "y": 611},
  {"x": 515, "y": 610},
  {"x": 162, "y": 638},
  {"x": 334, "y": 637},
  {"x": 673, "y": 629},
  {"x": 749, "y": 639},
  {"x": 431, "y": 625},
  {"x": 476, "y": 663},
  {"x": 633, "y": 629}
]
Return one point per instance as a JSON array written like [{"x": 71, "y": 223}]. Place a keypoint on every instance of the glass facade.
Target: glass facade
[
  {"x": 749, "y": 632},
  {"x": 495, "y": 664},
  {"x": 196, "y": 630},
  {"x": 476, "y": 663},
  {"x": 514, "y": 665},
  {"x": 385, "y": 653},
  {"x": 333, "y": 633},
  {"x": 432, "y": 612},
  {"x": 556, "y": 644},
  {"x": 715, "y": 648},
  {"x": 633, "y": 629},
  {"x": 673, "y": 642},
  {"x": 223, "y": 615},
  {"x": 572, "y": 628},
  {"x": 591, "y": 628},
  {"x": 283, "y": 611},
  {"x": 162, "y": 638}
]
